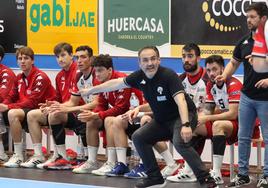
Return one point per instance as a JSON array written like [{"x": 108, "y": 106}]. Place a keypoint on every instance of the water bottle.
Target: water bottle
[
  {"x": 133, "y": 101},
  {"x": 3, "y": 128},
  {"x": 80, "y": 151}
]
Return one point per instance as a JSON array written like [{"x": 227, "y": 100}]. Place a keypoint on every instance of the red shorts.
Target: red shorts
[{"x": 232, "y": 139}]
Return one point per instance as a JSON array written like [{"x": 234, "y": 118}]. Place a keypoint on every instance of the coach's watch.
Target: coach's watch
[{"x": 187, "y": 124}]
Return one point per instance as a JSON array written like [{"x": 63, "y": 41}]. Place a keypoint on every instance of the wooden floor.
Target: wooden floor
[{"x": 85, "y": 179}]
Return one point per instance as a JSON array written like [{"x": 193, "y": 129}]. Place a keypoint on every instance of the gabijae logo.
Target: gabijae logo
[
  {"x": 56, "y": 14},
  {"x": 131, "y": 24}
]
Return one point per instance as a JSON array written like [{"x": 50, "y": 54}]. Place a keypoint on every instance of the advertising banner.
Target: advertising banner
[
  {"x": 52, "y": 21},
  {"x": 129, "y": 25},
  {"x": 12, "y": 24},
  {"x": 215, "y": 25}
]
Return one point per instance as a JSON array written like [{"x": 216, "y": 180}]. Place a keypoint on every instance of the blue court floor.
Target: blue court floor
[{"x": 18, "y": 183}]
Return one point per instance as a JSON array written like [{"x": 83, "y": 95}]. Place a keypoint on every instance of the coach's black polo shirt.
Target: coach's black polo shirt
[
  {"x": 159, "y": 92},
  {"x": 243, "y": 49}
]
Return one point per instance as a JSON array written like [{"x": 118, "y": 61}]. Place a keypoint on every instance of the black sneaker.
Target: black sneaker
[
  {"x": 208, "y": 182},
  {"x": 239, "y": 180},
  {"x": 151, "y": 183},
  {"x": 263, "y": 182}
]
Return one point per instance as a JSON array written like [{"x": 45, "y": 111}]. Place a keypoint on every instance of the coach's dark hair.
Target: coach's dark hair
[
  {"x": 154, "y": 48},
  {"x": 260, "y": 7},
  {"x": 103, "y": 61},
  {"x": 214, "y": 59},
  {"x": 63, "y": 46},
  {"x": 192, "y": 46},
  {"x": 85, "y": 48}
]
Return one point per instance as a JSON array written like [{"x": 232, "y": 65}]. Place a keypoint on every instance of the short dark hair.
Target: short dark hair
[
  {"x": 214, "y": 59},
  {"x": 260, "y": 7},
  {"x": 192, "y": 46},
  {"x": 63, "y": 46},
  {"x": 25, "y": 50},
  {"x": 103, "y": 61},
  {"x": 154, "y": 48},
  {"x": 2, "y": 52},
  {"x": 85, "y": 48}
]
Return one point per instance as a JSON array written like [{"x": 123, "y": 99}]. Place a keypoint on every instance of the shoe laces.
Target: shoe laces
[
  {"x": 32, "y": 158},
  {"x": 238, "y": 180},
  {"x": 137, "y": 168},
  {"x": 262, "y": 181},
  {"x": 14, "y": 158},
  {"x": 88, "y": 164},
  {"x": 107, "y": 165},
  {"x": 117, "y": 165}
]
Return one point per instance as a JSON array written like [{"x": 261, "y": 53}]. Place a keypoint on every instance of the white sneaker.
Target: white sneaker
[
  {"x": 104, "y": 169},
  {"x": 50, "y": 160},
  {"x": 3, "y": 158},
  {"x": 169, "y": 170},
  {"x": 217, "y": 177},
  {"x": 183, "y": 177},
  {"x": 33, "y": 161},
  {"x": 86, "y": 168},
  {"x": 14, "y": 161}
]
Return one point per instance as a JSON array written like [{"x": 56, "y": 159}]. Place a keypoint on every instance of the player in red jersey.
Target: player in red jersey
[
  {"x": 110, "y": 104},
  {"x": 65, "y": 114},
  {"x": 39, "y": 117},
  {"x": 32, "y": 87},
  {"x": 260, "y": 48},
  {"x": 7, "y": 80}
]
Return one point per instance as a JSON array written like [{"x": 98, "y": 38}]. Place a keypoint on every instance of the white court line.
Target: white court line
[{"x": 19, "y": 183}]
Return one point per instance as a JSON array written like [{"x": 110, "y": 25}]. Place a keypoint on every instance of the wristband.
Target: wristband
[{"x": 186, "y": 124}]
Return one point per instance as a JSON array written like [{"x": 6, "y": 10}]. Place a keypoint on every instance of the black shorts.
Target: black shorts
[
  {"x": 131, "y": 128},
  {"x": 23, "y": 123},
  {"x": 74, "y": 124}
]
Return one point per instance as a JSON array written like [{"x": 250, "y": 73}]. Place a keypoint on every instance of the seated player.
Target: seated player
[
  {"x": 32, "y": 87},
  {"x": 110, "y": 104}
]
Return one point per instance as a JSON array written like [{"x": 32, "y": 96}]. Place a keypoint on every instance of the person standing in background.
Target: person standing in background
[{"x": 254, "y": 97}]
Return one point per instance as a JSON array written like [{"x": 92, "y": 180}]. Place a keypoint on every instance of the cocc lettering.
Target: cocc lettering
[{"x": 227, "y": 7}]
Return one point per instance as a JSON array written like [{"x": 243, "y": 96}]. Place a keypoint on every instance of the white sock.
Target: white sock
[
  {"x": 111, "y": 154},
  {"x": 2, "y": 149},
  {"x": 38, "y": 149},
  {"x": 62, "y": 150},
  {"x": 217, "y": 164},
  {"x": 85, "y": 151},
  {"x": 55, "y": 152},
  {"x": 121, "y": 154},
  {"x": 18, "y": 148},
  {"x": 168, "y": 158},
  {"x": 92, "y": 153},
  {"x": 187, "y": 168}
]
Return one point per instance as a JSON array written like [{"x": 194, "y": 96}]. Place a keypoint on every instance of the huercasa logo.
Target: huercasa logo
[
  {"x": 58, "y": 15},
  {"x": 215, "y": 10},
  {"x": 127, "y": 24}
]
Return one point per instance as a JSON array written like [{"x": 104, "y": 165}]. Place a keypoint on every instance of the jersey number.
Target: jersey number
[{"x": 221, "y": 104}]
